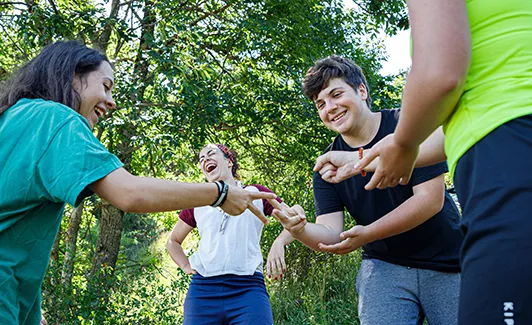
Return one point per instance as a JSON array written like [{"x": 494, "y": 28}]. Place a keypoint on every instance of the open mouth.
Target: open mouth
[
  {"x": 338, "y": 117},
  {"x": 99, "y": 112},
  {"x": 210, "y": 167}
]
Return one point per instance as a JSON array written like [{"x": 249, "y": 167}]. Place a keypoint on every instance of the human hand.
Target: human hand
[
  {"x": 275, "y": 264},
  {"x": 188, "y": 269},
  {"x": 395, "y": 165},
  {"x": 352, "y": 239},
  {"x": 337, "y": 166},
  {"x": 238, "y": 200},
  {"x": 292, "y": 218}
]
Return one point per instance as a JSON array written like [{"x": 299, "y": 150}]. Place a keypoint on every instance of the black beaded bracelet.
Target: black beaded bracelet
[
  {"x": 225, "y": 191},
  {"x": 222, "y": 193}
]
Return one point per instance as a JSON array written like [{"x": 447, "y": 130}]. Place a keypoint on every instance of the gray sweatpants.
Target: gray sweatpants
[{"x": 399, "y": 295}]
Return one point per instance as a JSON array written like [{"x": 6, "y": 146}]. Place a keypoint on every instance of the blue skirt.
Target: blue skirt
[{"x": 228, "y": 300}]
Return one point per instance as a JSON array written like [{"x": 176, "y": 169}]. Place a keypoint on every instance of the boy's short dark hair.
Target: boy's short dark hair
[{"x": 319, "y": 75}]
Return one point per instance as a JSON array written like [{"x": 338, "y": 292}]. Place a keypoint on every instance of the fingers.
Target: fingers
[
  {"x": 299, "y": 210},
  {"x": 280, "y": 215},
  {"x": 328, "y": 172},
  {"x": 375, "y": 180},
  {"x": 327, "y": 168},
  {"x": 341, "y": 248},
  {"x": 275, "y": 204},
  {"x": 282, "y": 264},
  {"x": 258, "y": 213},
  {"x": 404, "y": 180},
  {"x": 262, "y": 195},
  {"x": 320, "y": 161},
  {"x": 276, "y": 268},
  {"x": 368, "y": 158}
]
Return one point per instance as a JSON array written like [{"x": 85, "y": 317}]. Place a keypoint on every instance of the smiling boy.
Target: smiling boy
[{"x": 409, "y": 234}]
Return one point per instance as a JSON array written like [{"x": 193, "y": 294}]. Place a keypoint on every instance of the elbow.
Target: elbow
[
  {"x": 130, "y": 201},
  {"x": 171, "y": 243},
  {"x": 441, "y": 81},
  {"x": 436, "y": 204},
  {"x": 452, "y": 81},
  {"x": 168, "y": 244},
  {"x": 442, "y": 74}
]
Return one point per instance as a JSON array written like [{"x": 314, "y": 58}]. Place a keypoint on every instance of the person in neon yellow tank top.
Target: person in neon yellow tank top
[{"x": 471, "y": 73}]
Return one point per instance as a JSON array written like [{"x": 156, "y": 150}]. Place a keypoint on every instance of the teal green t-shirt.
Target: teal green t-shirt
[{"x": 48, "y": 156}]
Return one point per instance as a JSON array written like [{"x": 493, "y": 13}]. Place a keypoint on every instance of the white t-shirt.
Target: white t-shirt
[{"x": 228, "y": 244}]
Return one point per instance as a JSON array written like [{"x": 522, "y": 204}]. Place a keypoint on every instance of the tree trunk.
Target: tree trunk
[
  {"x": 102, "y": 41},
  {"x": 108, "y": 244},
  {"x": 54, "y": 259},
  {"x": 71, "y": 245}
]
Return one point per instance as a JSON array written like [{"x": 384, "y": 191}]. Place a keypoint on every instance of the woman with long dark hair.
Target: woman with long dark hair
[{"x": 50, "y": 157}]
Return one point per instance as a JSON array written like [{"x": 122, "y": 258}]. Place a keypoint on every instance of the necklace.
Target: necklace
[{"x": 225, "y": 215}]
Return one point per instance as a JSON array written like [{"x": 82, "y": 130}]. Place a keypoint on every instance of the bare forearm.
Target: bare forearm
[
  {"x": 153, "y": 195},
  {"x": 426, "y": 105},
  {"x": 177, "y": 254},
  {"x": 143, "y": 195},
  {"x": 413, "y": 212},
  {"x": 284, "y": 238},
  {"x": 314, "y": 234},
  {"x": 432, "y": 150}
]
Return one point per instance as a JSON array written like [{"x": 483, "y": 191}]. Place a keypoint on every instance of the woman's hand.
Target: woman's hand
[
  {"x": 275, "y": 264},
  {"x": 395, "y": 165},
  {"x": 188, "y": 269},
  {"x": 238, "y": 200}
]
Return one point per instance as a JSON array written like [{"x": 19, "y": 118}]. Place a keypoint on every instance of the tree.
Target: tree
[{"x": 198, "y": 71}]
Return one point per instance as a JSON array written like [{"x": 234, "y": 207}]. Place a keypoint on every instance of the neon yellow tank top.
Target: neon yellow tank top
[{"x": 499, "y": 84}]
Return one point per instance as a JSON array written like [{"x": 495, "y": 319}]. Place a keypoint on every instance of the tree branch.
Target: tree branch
[{"x": 212, "y": 13}]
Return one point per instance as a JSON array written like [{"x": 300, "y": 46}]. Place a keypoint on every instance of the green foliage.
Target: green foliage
[{"x": 192, "y": 72}]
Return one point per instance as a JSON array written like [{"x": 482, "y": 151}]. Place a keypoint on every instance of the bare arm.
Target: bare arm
[
  {"x": 427, "y": 200},
  {"x": 143, "y": 195},
  {"x": 432, "y": 150},
  {"x": 326, "y": 230},
  {"x": 275, "y": 263},
  {"x": 173, "y": 245},
  {"x": 441, "y": 54}
]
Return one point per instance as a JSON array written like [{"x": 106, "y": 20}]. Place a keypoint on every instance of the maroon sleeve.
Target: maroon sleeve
[
  {"x": 268, "y": 208},
  {"x": 188, "y": 217}
]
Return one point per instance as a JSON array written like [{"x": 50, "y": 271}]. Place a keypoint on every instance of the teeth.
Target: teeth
[
  {"x": 99, "y": 111},
  {"x": 338, "y": 117},
  {"x": 209, "y": 169}
]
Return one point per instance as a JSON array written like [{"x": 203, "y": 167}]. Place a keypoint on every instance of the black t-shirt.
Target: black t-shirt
[{"x": 432, "y": 245}]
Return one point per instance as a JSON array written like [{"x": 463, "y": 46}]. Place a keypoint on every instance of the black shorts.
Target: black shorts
[{"x": 493, "y": 182}]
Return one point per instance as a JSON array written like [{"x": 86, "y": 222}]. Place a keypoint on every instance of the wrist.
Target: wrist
[
  {"x": 402, "y": 139},
  {"x": 296, "y": 233},
  {"x": 279, "y": 242},
  {"x": 223, "y": 190},
  {"x": 371, "y": 233}
]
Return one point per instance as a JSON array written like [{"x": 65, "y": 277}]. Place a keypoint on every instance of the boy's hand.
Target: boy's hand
[
  {"x": 352, "y": 239},
  {"x": 337, "y": 166}
]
